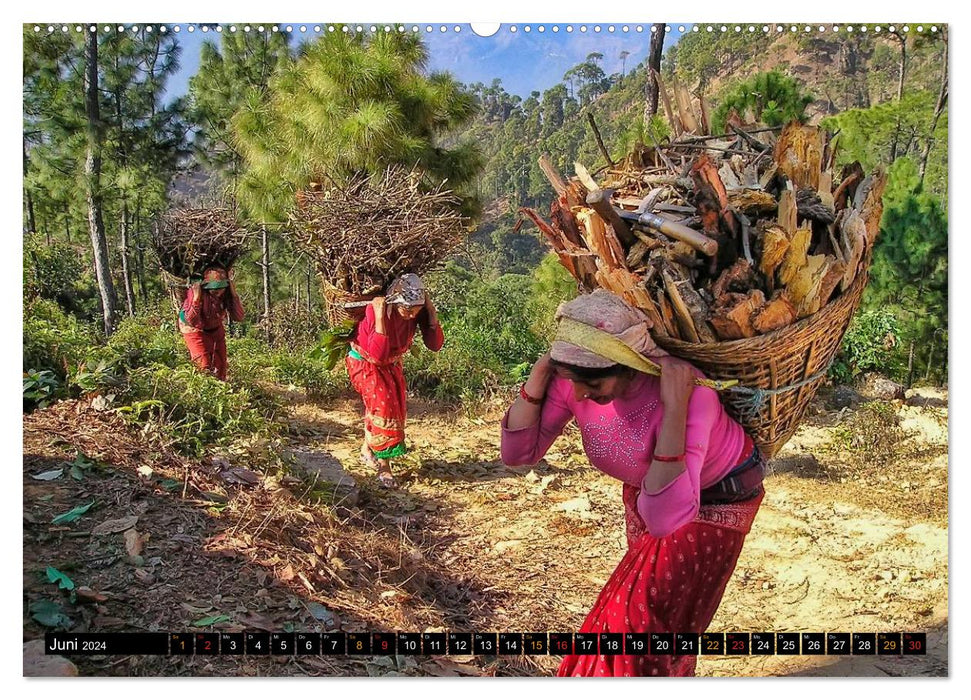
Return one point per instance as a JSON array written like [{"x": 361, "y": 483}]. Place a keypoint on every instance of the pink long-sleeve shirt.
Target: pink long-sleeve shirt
[
  {"x": 619, "y": 440},
  {"x": 400, "y": 332}
]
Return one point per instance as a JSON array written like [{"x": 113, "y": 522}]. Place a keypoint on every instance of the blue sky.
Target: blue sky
[{"x": 524, "y": 60}]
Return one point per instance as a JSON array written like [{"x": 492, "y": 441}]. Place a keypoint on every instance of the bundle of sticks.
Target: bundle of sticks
[
  {"x": 362, "y": 234},
  {"x": 719, "y": 238},
  {"x": 187, "y": 241}
]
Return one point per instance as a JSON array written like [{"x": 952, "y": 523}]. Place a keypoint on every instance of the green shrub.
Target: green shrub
[
  {"x": 488, "y": 335},
  {"x": 41, "y": 389},
  {"x": 310, "y": 375},
  {"x": 146, "y": 339},
  {"x": 54, "y": 340},
  {"x": 870, "y": 345},
  {"x": 194, "y": 410},
  {"x": 57, "y": 272}
]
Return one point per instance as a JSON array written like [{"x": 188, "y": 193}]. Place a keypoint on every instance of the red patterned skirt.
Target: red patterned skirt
[
  {"x": 382, "y": 388},
  {"x": 665, "y": 584}
]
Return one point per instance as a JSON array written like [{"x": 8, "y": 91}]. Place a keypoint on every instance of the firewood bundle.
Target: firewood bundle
[
  {"x": 718, "y": 240},
  {"x": 187, "y": 241},
  {"x": 362, "y": 234}
]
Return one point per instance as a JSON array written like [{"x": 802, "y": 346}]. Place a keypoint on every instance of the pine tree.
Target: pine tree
[{"x": 348, "y": 105}]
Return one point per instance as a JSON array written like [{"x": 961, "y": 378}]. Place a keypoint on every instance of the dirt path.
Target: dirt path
[
  {"x": 827, "y": 553},
  {"x": 466, "y": 544}
]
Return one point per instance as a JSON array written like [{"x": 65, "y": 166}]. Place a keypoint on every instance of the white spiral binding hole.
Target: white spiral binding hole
[{"x": 51, "y": 29}]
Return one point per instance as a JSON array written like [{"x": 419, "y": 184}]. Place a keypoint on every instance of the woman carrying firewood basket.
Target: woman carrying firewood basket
[
  {"x": 692, "y": 476},
  {"x": 202, "y": 316},
  {"x": 374, "y": 365}
]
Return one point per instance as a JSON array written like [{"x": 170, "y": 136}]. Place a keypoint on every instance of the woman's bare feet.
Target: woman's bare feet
[{"x": 381, "y": 466}]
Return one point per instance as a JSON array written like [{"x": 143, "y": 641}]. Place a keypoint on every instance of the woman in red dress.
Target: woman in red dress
[
  {"x": 374, "y": 366},
  {"x": 201, "y": 319},
  {"x": 692, "y": 478}
]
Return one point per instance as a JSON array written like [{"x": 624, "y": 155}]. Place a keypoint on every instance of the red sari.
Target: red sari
[
  {"x": 375, "y": 369},
  {"x": 665, "y": 584}
]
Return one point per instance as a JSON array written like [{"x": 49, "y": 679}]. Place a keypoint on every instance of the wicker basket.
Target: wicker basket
[
  {"x": 784, "y": 357},
  {"x": 336, "y": 298}
]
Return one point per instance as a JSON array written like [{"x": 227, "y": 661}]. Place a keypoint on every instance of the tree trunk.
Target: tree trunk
[
  {"x": 310, "y": 277},
  {"x": 930, "y": 363},
  {"x": 31, "y": 221},
  {"x": 140, "y": 252},
  {"x": 902, "y": 68},
  {"x": 938, "y": 110},
  {"x": 265, "y": 264},
  {"x": 67, "y": 222},
  {"x": 92, "y": 173},
  {"x": 653, "y": 62},
  {"x": 910, "y": 365},
  {"x": 125, "y": 267}
]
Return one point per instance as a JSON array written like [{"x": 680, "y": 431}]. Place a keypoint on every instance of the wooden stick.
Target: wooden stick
[
  {"x": 599, "y": 200},
  {"x": 585, "y": 178},
  {"x": 552, "y": 174},
  {"x": 600, "y": 141}
]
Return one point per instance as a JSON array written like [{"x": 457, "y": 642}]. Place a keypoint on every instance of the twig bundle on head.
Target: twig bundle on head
[
  {"x": 187, "y": 241},
  {"x": 363, "y": 233}
]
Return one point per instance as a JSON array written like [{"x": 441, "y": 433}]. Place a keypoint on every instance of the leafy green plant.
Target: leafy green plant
[
  {"x": 41, "y": 388},
  {"x": 870, "y": 345},
  {"x": 333, "y": 345},
  {"x": 53, "y": 340}
]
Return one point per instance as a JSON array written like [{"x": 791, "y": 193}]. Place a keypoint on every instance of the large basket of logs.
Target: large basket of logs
[
  {"x": 187, "y": 241},
  {"x": 796, "y": 356},
  {"x": 747, "y": 255},
  {"x": 363, "y": 233}
]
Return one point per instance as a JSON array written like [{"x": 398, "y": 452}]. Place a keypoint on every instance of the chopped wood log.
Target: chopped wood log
[
  {"x": 683, "y": 101},
  {"x": 689, "y": 308},
  {"x": 681, "y": 312},
  {"x": 831, "y": 279},
  {"x": 732, "y": 319},
  {"x": 739, "y": 278},
  {"x": 796, "y": 256},
  {"x": 599, "y": 239},
  {"x": 854, "y": 238},
  {"x": 583, "y": 175},
  {"x": 749, "y": 139},
  {"x": 752, "y": 201},
  {"x": 638, "y": 252},
  {"x": 851, "y": 176},
  {"x": 825, "y": 191},
  {"x": 872, "y": 207},
  {"x": 728, "y": 177},
  {"x": 804, "y": 285},
  {"x": 777, "y": 313},
  {"x": 788, "y": 212},
  {"x": 629, "y": 286},
  {"x": 552, "y": 174},
  {"x": 599, "y": 201},
  {"x": 705, "y": 114},
  {"x": 667, "y": 314},
  {"x": 704, "y": 172},
  {"x": 775, "y": 245},
  {"x": 799, "y": 154}
]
